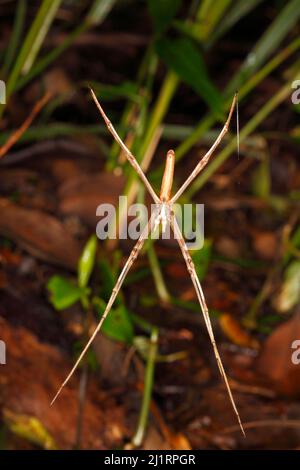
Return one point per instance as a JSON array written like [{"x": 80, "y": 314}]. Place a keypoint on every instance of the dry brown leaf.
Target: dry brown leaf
[
  {"x": 275, "y": 361},
  {"x": 39, "y": 233},
  {"x": 36, "y": 368},
  {"x": 82, "y": 195}
]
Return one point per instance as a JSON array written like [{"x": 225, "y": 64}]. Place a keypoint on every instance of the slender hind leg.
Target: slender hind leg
[
  {"x": 200, "y": 295},
  {"x": 132, "y": 257}
]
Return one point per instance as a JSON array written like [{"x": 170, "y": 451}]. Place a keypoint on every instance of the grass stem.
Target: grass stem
[
  {"x": 159, "y": 281},
  {"x": 148, "y": 386}
]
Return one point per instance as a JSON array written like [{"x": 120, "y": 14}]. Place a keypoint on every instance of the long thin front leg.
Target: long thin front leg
[
  {"x": 132, "y": 160},
  {"x": 132, "y": 257},
  {"x": 200, "y": 295},
  {"x": 204, "y": 161}
]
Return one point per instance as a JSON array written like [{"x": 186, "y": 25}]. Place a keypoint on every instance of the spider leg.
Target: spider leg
[
  {"x": 132, "y": 257},
  {"x": 204, "y": 161},
  {"x": 130, "y": 157},
  {"x": 202, "y": 302}
]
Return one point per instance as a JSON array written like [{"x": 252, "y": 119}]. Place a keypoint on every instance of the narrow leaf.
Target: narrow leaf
[
  {"x": 128, "y": 90},
  {"x": 267, "y": 44},
  {"x": 184, "y": 58},
  {"x": 209, "y": 15},
  {"x": 162, "y": 13},
  {"x": 15, "y": 35},
  {"x": 38, "y": 31},
  {"x": 87, "y": 261},
  {"x": 99, "y": 11},
  {"x": 33, "y": 41},
  {"x": 237, "y": 11}
]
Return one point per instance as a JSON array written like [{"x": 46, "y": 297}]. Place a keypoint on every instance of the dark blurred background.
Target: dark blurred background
[{"x": 165, "y": 73}]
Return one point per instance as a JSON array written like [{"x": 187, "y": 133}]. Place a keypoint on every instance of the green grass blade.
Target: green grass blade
[
  {"x": 160, "y": 109},
  {"x": 162, "y": 13},
  {"x": 238, "y": 10},
  {"x": 15, "y": 36},
  {"x": 207, "y": 122},
  {"x": 33, "y": 42},
  {"x": 267, "y": 44},
  {"x": 272, "y": 104},
  {"x": 209, "y": 15},
  {"x": 184, "y": 58},
  {"x": 97, "y": 13},
  {"x": 38, "y": 32},
  {"x": 147, "y": 392},
  {"x": 49, "y": 58}
]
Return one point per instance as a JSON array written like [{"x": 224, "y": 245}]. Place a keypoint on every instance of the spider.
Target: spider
[{"x": 163, "y": 215}]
